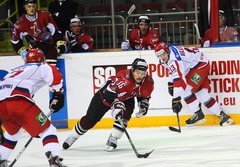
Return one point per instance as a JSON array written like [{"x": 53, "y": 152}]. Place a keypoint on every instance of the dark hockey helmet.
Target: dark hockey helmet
[
  {"x": 29, "y": 1},
  {"x": 161, "y": 48},
  {"x": 35, "y": 55},
  {"x": 139, "y": 64},
  {"x": 144, "y": 18}
]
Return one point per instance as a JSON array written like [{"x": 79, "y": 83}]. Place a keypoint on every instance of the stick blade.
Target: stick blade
[
  {"x": 131, "y": 9},
  {"x": 144, "y": 155},
  {"x": 174, "y": 129}
]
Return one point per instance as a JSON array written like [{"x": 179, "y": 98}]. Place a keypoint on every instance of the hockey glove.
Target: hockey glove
[
  {"x": 117, "y": 109},
  {"x": 71, "y": 38},
  {"x": 57, "y": 101},
  {"x": 176, "y": 104},
  {"x": 23, "y": 52},
  {"x": 143, "y": 108},
  {"x": 170, "y": 88},
  {"x": 125, "y": 45},
  {"x": 30, "y": 40},
  {"x": 62, "y": 46}
]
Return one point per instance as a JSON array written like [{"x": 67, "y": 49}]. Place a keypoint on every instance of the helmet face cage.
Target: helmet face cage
[
  {"x": 161, "y": 48},
  {"x": 139, "y": 64},
  {"x": 144, "y": 18},
  {"x": 35, "y": 55}
]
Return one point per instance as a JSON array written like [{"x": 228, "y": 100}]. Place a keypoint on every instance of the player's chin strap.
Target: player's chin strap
[{"x": 28, "y": 142}]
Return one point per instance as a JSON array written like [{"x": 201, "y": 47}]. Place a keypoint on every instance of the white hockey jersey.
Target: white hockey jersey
[
  {"x": 27, "y": 79},
  {"x": 181, "y": 61}
]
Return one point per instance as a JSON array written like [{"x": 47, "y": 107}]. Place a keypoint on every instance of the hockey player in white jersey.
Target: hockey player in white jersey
[
  {"x": 18, "y": 110},
  {"x": 188, "y": 68}
]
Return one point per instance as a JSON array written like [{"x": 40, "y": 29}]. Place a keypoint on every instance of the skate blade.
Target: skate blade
[
  {"x": 228, "y": 122},
  {"x": 109, "y": 149},
  {"x": 201, "y": 121}
]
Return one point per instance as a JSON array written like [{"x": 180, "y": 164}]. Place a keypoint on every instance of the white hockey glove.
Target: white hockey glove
[
  {"x": 143, "y": 108},
  {"x": 117, "y": 110},
  {"x": 125, "y": 46}
]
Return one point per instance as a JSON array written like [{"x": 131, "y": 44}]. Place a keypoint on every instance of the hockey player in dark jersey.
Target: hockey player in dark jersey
[
  {"x": 142, "y": 38},
  {"x": 40, "y": 31},
  {"x": 117, "y": 95},
  {"x": 77, "y": 41}
]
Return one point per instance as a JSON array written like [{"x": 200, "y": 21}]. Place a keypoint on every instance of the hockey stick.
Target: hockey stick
[
  {"x": 130, "y": 140},
  {"x": 198, "y": 33},
  {"x": 175, "y": 129},
  {"x": 26, "y": 145},
  {"x": 131, "y": 9}
]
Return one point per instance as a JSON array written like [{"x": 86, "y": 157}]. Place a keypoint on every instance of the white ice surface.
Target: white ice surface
[{"x": 199, "y": 146}]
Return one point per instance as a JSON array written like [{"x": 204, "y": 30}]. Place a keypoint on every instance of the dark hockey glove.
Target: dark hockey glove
[
  {"x": 176, "y": 104},
  {"x": 57, "y": 101},
  {"x": 170, "y": 88},
  {"x": 143, "y": 108},
  {"x": 117, "y": 110},
  {"x": 72, "y": 39},
  {"x": 62, "y": 46},
  {"x": 30, "y": 40}
]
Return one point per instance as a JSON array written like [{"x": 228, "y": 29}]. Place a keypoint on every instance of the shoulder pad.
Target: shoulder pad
[
  {"x": 175, "y": 51},
  {"x": 20, "y": 19}
]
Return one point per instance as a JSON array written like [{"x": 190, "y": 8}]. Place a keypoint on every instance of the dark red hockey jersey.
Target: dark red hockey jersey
[
  {"x": 124, "y": 85},
  {"x": 149, "y": 41},
  {"x": 42, "y": 29}
]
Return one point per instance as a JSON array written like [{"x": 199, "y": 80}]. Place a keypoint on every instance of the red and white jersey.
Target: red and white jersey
[
  {"x": 86, "y": 42},
  {"x": 181, "y": 61},
  {"x": 227, "y": 35},
  {"x": 40, "y": 29},
  {"x": 125, "y": 87},
  {"x": 149, "y": 41},
  {"x": 27, "y": 79}
]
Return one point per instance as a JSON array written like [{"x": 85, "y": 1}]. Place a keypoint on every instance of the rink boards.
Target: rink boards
[{"x": 84, "y": 73}]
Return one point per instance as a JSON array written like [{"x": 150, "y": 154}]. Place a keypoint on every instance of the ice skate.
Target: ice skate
[
  {"x": 196, "y": 119},
  {"x": 111, "y": 143},
  {"x": 3, "y": 163},
  {"x": 70, "y": 140},
  {"x": 225, "y": 119},
  {"x": 54, "y": 161}
]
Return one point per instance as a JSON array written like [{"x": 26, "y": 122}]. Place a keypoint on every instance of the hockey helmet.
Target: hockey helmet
[
  {"x": 139, "y": 64},
  {"x": 29, "y": 1},
  {"x": 144, "y": 18},
  {"x": 35, "y": 55},
  {"x": 161, "y": 48},
  {"x": 221, "y": 13},
  {"x": 75, "y": 20}
]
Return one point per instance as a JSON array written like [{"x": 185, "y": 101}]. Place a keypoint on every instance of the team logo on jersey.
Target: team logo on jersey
[
  {"x": 154, "y": 34},
  {"x": 41, "y": 118},
  {"x": 196, "y": 78}
]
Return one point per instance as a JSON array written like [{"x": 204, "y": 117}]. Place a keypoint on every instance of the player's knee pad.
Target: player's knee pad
[
  {"x": 51, "y": 130},
  {"x": 15, "y": 136},
  {"x": 203, "y": 95}
]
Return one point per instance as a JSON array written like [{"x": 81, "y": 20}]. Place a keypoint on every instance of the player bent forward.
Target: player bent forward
[
  {"x": 117, "y": 94},
  {"x": 18, "y": 110},
  {"x": 189, "y": 68}
]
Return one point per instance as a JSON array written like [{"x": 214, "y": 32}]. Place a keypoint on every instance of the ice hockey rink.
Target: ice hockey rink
[{"x": 199, "y": 146}]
